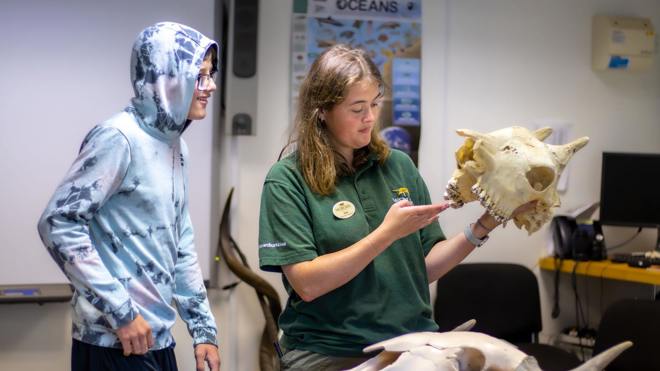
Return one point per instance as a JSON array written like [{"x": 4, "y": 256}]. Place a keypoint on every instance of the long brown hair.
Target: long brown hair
[{"x": 331, "y": 75}]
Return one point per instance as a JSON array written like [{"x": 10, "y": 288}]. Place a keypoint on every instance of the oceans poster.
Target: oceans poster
[{"x": 390, "y": 33}]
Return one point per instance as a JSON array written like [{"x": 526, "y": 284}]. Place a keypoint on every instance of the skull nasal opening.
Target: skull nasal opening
[{"x": 540, "y": 177}]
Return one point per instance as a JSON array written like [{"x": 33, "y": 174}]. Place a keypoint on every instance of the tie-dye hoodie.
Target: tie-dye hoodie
[{"x": 118, "y": 225}]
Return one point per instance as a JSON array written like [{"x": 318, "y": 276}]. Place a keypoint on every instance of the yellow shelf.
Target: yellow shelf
[{"x": 606, "y": 269}]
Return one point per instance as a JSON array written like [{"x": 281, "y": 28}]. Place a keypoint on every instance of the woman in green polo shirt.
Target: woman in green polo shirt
[{"x": 350, "y": 224}]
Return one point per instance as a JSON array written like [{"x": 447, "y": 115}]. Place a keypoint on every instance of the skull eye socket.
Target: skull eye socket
[{"x": 540, "y": 177}]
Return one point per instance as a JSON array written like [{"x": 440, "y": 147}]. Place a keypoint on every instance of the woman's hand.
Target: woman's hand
[
  {"x": 403, "y": 218},
  {"x": 313, "y": 278}
]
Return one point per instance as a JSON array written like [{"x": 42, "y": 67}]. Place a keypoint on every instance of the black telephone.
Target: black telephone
[{"x": 577, "y": 241}]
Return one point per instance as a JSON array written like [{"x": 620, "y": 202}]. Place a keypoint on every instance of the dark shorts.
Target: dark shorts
[
  {"x": 304, "y": 360},
  {"x": 87, "y": 357}
]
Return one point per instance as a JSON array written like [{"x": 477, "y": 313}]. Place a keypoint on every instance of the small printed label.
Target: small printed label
[
  {"x": 19, "y": 292},
  {"x": 618, "y": 37},
  {"x": 618, "y": 62}
]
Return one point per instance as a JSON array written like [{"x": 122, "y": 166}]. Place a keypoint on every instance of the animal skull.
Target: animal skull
[
  {"x": 463, "y": 351},
  {"x": 507, "y": 168}
]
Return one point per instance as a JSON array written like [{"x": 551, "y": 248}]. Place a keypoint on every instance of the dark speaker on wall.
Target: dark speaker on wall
[{"x": 246, "y": 17}]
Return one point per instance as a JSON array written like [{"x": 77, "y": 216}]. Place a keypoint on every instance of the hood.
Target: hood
[{"x": 165, "y": 62}]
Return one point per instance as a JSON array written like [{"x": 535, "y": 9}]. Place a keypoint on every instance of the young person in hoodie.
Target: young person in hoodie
[{"x": 119, "y": 226}]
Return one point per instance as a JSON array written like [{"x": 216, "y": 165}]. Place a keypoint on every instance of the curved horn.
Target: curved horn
[
  {"x": 467, "y": 326},
  {"x": 565, "y": 152},
  {"x": 600, "y": 361},
  {"x": 542, "y": 133},
  {"x": 470, "y": 133}
]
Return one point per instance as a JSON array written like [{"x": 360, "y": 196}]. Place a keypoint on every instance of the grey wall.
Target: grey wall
[
  {"x": 486, "y": 65},
  {"x": 65, "y": 68}
]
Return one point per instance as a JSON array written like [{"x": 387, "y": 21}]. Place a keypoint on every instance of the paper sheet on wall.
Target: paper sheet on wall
[{"x": 561, "y": 134}]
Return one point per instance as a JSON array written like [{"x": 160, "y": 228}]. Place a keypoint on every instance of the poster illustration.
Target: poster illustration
[{"x": 390, "y": 33}]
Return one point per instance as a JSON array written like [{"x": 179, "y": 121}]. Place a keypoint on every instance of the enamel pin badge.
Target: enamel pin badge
[{"x": 343, "y": 209}]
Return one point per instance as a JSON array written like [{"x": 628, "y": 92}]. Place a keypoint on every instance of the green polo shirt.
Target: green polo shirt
[{"x": 389, "y": 297}]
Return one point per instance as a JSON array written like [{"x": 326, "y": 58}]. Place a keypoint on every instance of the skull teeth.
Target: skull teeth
[
  {"x": 454, "y": 203},
  {"x": 489, "y": 205},
  {"x": 452, "y": 194}
]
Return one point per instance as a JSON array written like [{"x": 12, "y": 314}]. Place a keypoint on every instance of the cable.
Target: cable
[
  {"x": 555, "y": 308},
  {"x": 579, "y": 312},
  {"x": 587, "y": 300},
  {"x": 601, "y": 309}
]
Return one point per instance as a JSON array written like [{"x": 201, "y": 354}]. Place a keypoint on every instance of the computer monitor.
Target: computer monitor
[{"x": 630, "y": 190}]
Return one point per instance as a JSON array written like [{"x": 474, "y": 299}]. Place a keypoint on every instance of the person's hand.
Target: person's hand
[
  {"x": 136, "y": 337},
  {"x": 207, "y": 353},
  {"x": 403, "y": 219}
]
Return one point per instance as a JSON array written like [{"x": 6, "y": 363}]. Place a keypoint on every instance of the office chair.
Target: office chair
[
  {"x": 504, "y": 299},
  {"x": 635, "y": 320}
]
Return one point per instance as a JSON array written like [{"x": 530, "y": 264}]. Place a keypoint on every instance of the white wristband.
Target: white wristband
[{"x": 477, "y": 242}]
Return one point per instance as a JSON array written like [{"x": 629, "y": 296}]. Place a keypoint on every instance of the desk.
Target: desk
[
  {"x": 606, "y": 269},
  {"x": 36, "y": 293},
  {"x": 621, "y": 280}
]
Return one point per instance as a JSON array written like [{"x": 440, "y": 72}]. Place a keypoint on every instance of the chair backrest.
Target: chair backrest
[
  {"x": 503, "y": 298},
  {"x": 635, "y": 320}
]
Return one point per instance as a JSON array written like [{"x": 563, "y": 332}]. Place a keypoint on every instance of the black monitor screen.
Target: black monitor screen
[{"x": 630, "y": 189}]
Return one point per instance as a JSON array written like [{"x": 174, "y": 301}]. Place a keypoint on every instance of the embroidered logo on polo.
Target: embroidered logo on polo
[{"x": 401, "y": 193}]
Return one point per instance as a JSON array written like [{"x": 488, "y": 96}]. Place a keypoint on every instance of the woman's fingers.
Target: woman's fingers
[
  {"x": 432, "y": 219},
  {"x": 427, "y": 211}
]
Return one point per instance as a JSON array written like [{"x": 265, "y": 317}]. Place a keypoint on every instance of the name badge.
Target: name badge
[{"x": 343, "y": 209}]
